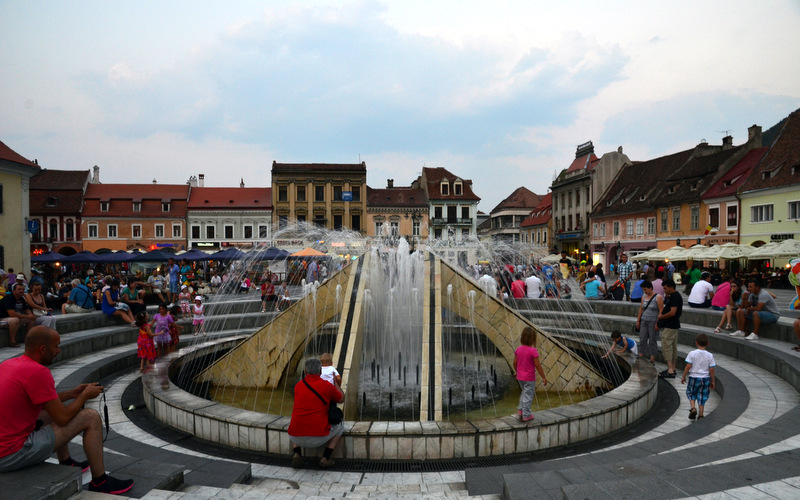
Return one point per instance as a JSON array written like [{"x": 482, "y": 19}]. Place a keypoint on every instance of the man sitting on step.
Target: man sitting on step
[{"x": 36, "y": 420}]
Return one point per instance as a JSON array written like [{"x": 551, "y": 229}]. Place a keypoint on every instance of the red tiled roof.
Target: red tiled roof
[
  {"x": 780, "y": 166},
  {"x": 434, "y": 176},
  {"x": 583, "y": 162},
  {"x": 121, "y": 197},
  {"x": 522, "y": 197},
  {"x": 396, "y": 197},
  {"x": 736, "y": 176},
  {"x": 542, "y": 214},
  {"x": 52, "y": 202},
  {"x": 292, "y": 167},
  {"x": 60, "y": 179},
  {"x": 8, "y": 154},
  {"x": 230, "y": 197}
]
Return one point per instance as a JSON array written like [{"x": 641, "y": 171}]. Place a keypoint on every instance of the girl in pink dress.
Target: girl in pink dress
[{"x": 526, "y": 364}]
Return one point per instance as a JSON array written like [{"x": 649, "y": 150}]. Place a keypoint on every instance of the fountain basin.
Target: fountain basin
[{"x": 421, "y": 440}]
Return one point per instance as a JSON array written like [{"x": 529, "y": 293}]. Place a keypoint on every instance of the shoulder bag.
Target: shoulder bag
[{"x": 335, "y": 414}]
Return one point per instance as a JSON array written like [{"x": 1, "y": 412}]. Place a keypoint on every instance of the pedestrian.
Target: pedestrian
[
  {"x": 198, "y": 316},
  {"x": 174, "y": 328},
  {"x": 625, "y": 270},
  {"x": 146, "y": 347},
  {"x": 526, "y": 364},
  {"x": 185, "y": 297},
  {"x": 646, "y": 321},
  {"x": 702, "y": 292},
  {"x": 668, "y": 324},
  {"x": 161, "y": 322},
  {"x": 700, "y": 369}
]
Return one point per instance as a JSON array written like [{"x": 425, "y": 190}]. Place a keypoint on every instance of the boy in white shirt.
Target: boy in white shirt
[
  {"x": 700, "y": 368},
  {"x": 329, "y": 372}
]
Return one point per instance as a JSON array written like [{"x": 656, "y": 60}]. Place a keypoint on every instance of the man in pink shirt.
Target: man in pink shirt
[{"x": 36, "y": 420}]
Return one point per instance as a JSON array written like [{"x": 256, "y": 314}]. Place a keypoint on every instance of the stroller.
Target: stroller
[{"x": 615, "y": 291}]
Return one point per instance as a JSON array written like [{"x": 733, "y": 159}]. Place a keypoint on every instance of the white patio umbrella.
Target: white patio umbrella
[
  {"x": 674, "y": 253},
  {"x": 550, "y": 259},
  {"x": 695, "y": 251},
  {"x": 652, "y": 254},
  {"x": 726, "y": 251},
  {"x": 786, "y": 248}
]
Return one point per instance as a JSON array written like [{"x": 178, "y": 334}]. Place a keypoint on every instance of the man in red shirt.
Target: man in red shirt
[
  {"x": 309, "y": 426},
  {"x": 36, "y": 420}
]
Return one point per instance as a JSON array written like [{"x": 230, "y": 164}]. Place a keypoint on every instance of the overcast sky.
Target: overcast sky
[{"x": 497, "y": 92}]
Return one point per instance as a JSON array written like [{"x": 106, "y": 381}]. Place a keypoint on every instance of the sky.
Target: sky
[{"x": 500, "y": 92}]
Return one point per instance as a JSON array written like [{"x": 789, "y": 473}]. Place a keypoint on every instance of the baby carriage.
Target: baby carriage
[{"x": 615, "y": 291}]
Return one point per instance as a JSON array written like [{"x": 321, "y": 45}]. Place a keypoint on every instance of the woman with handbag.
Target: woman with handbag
[
  {"x": 313, "y": 424},
  {"x": 646, "y": 321},
  {"x": 38, "y": 306}
]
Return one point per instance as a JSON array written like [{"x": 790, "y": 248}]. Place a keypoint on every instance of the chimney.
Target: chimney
[
  {"x": 727, "y": 142},
  {"x": 754, "y": 136},
  {"x": 201, "y": 180},
  {"x": 154, "y": 181},
  {"x": 584, "y": 149},
  {"x": 389, "y": 183},
  {"x": 192, "y": 181},
  {"x": 241, "y": 182},
  {"x": 96, "y": 175}
]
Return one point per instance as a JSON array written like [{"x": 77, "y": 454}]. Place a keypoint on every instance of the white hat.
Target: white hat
[
  {"x": 198, "y": 298},
  {"x": 2, "y": 272},
  {"x": 20, "y": 276},
  {"x": 183, "y": 287}
]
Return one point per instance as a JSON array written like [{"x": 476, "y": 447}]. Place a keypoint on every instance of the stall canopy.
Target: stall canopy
[
  {"x": 154, "y": 256},
  {"x": 674, "y": 253},
  {"x": 193, "y": 255},
  {"x": 82, "y": 257},
  {"x": 309, "y": 252},
  {"x": 550, "y": 259},
  {"x": 227, "y": 254},
  {"x": 116, "y": 257},
  {"x": 726, "y": 251},
  {"x": 652, "y": 254},
  {"x": 270, "y": 253},
  {"x": 784, "y": 249},
  {"x": 48, "y": 257}
]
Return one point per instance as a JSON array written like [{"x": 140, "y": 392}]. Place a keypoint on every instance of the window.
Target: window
[
  {"x": 664, "y": 220},
  {"x": 379, "y": 229},
  {"x": 355, "y": 222},
  {"x": 577, "y": 197},
  {"x": 301, "y": 220},
  {"x": 569, "y": 199},
  {"x": 195, "y": 232},
  {"x": 676, "y": 219},
  {"x": 733, "y": 216},
  {"x": 136, "y": 231},
  {"x": 211, "y": 232},
  {"x": 457, "y": 189},
  {"x": 555, "y": 203},
  {"x": 1, "y": 199},
  {"x": 92, "y": 228},
  {"x": 713, "y": 217},
  {"x": 794, "y": 210},
  {"x": 639, "y": 227},
  {"x": 69, "y": 230},
  {"x": 587, "y": 194},
  {"x": 263, "y": 231},
  {"x": 596, "y": 230},
  {"x": 52, "y": 201},
  {"x": 437, "y": 212},
  {"x": 228, "y": 231},
  {"x": 337, "y": 222},
  {"x": 356, "y": 192},
  {"x": 177, "y": 231},
  {"x": 248, "y": 232},
  {"x": 629, "y": 227},
  {"x": 337, "y": 193},
  {"x": 283, "y": 221},
  {"x": 569, "y": 226},
  {"x": 53, "y": 230},
  {"x": 395, "y": 228},
  {"x": 415, "y": 229},
  {"x": 465, "y": 212},
  {"x": 165, "y": 206},
  {"x": 112, "y": 230},
  {"x": 695, "y": 217},
  {"x": 137, "y": 206},
  {"x": 104, "y": 206},
  {"x": 301, "y": 193},
  {"x": 761, "y": 213},
  {"x": 651, "y": 225},
  {"x": 616, "y": 228},
  {"x": 563, "y": 205},
  {"x": 319, "y": 193},
  {"x": 444, "y": 188},
  {"x": 283, "y": 193},
  {"x": 159, "y": 230},
  {"x": 603, "y": 230},
  {"x": 544, "y": 237}
]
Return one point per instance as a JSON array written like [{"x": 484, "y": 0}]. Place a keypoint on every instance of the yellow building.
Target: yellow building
[
  {"x": 328, "y": 195},
  {"x": 397, "y": 212},
  {"x": 15, "y": 242}
]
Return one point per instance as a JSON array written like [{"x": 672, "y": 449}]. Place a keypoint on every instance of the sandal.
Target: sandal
[
  {"x": 717, "y": 330},
  {"x": 796, "y": 348},
  {"x": 692, "y": 414}
]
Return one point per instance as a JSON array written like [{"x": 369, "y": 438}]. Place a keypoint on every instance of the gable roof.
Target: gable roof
[
  {"x": 780, "y": 166},
  {"x": 729, "y": 183},
  {"x": 521, "y": 198},
  {"x": 96, "y": 193},
  {"x": 8, "y": 154},
  {"x": 434, "y": 176},
  {"x": 59, "y": 180},
  {"x": 52, "y": 202},
  {"x": 695, "y": 176},
  {"x": 585, "y": 162},
  {"x": 396, "y": 197},
  {"x": 541, "y": 214},
  {"x": 230, "y": 198}
]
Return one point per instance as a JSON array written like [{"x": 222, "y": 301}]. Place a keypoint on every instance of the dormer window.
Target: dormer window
[
  {"x": 104, "y": 206},
  {"x": 457, "y": 189},
  {"x": 137, "y": 206},
  {"x": 444, "y": 187},
  {"x": 165, "y": 206},
  {"x": 51, "y": 201}
]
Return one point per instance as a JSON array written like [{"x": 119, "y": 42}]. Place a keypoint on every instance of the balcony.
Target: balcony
[{"x": 439, "y": 221}]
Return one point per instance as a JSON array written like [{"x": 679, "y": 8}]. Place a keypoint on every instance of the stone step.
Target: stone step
[{"x": 43, "y": 481}]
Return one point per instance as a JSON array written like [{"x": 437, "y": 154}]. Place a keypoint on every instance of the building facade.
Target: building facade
[
  {"x": 537, "y": 229},
  {"x": 327, "y": 195},
  {"x": 453, "y": 206},
  {"x": 134, "y": 216},
  {"x": 15, "y": 175},
  {"x": 508, "y": 215},
  {"x": 56, "y": 200},
  {"x": 222, "y": 216},
  {"x": 397, "y": 212}
]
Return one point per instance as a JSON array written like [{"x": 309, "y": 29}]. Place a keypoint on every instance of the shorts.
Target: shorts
[
  {"x": 157, "y": 291},
  {"x": 196, "y": 322},
  {"x": 717, "y": 308},
  {"x": 764, "y": 316},
  {"x": 669, "y": 343},
  {"x": 36, "y": 449},
  {"x": 317, "y": 441},
  {"x": 698, "y": 389},
  {"x": 173, "y": 286},
  {"x": 76, "y": 309}
]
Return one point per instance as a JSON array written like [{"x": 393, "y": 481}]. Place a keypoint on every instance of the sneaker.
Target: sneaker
[
  {"x": 71, "y": 462},
  {"x": 110, "y": 485},
  {"x": 666, "y": 374},
  {"x": 527, "y": 419},
  {"x": 326, "y": 463},
  {"x": 692, "y": 414},
  {"x": 738, "y": 333},
  {"x": 752, "y": 336},
  {"x": 297, "y": 461}
]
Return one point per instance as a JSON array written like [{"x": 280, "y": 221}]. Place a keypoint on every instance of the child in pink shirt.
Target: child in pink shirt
[{"x": 526, "y": 364}]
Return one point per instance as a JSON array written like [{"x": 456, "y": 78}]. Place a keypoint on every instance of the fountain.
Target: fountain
[{"x": 424, "y": 354}]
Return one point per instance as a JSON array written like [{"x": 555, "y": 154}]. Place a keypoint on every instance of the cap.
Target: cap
[
  {"x": 198, "y": 298},
  {"x": 183, "y": 287}
]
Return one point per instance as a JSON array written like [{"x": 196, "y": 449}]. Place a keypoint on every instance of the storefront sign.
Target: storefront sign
[
  {"x": 566, "y": 236},
  {"x": 720, "y": 240},
  {"x": 781, "y": 237}
]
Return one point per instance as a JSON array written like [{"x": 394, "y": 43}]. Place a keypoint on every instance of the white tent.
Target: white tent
[
  {"x": 674, "y": 253},
  {"x": 726, "y": 251},
  {"x": 785, "y": 249},
  {"x": 652, "y": 254}
]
